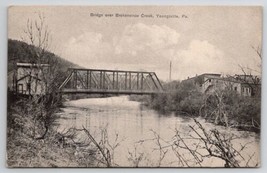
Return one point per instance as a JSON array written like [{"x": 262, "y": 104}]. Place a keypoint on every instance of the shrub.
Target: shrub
[{"x": 224, "y": 107}]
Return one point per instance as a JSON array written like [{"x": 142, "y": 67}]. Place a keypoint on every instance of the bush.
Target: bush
[
  {"x": 160, "y": 102},
  {"x": 228, "y": 108},
  {"x": 246, "y": 113},
  {"x": 186, "y": 98},
  {"x": 224, "y": 107},
  {"x": 192, "y": 104}
]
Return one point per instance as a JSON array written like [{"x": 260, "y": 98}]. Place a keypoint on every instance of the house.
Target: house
[
  {"x": 246, "y": 85},
  {"x": 203, "y": 79},
  {"x": 28, "y": 79}
]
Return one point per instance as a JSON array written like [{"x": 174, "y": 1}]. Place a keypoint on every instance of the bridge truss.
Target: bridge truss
[{"x": 98, "y": 81}]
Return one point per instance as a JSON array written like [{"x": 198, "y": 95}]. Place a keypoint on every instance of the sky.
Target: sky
[{"x": 196, "y": 40}]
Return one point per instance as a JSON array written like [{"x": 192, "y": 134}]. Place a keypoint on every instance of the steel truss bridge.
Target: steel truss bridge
[{"x": 97, "y": 81}]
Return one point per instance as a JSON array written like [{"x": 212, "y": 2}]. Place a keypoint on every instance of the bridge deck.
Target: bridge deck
[{"x": 105, "y": 91}]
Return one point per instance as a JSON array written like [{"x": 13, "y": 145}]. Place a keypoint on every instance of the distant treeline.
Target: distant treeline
[{"x": 22, "y": 52}]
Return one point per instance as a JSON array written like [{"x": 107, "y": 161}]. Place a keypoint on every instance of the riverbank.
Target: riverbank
[
  {"x": 33, "y": 140},
  {"x": 221, "y": 107}
]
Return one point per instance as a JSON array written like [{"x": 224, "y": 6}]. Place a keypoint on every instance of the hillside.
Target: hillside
[
  {"x": 19, "y": 51},
  {"x": 22, "y": 52}
]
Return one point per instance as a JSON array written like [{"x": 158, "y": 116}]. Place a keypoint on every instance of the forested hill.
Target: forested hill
[{"x": 19, "y": 51}]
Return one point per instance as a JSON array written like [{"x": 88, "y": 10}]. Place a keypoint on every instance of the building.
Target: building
[
  {"x": 28, "y": 79},
  {"x": 246, "y": 85}
]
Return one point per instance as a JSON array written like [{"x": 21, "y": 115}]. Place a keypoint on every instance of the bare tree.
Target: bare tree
[
  {"x": 42, "y": 74},
  {"x": 198, "y": 145},
  {"x": 38, "y": 35},
  {"x": 253, "y": 81}
]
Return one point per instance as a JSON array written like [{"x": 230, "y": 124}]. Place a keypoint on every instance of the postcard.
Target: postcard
[{"x": 134, "y": 86}]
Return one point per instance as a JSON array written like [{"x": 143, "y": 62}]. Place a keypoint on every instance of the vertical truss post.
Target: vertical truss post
[
  {"x": 75, "y": 79},
  {"x": 87, "y": 80},
  {"x": 137, "y": 82},
  {"x": 104, "y": 82},
  {"x": 113, "y": 80},
  {"x": 117, "y": 76},
  {"x": 142, "y": 81},
  {"x": 125, "y": 80},
  {"x": 90, "y": 74},
  {"x": 100, "y": 80},
  {"x": 130, "y": 80}
]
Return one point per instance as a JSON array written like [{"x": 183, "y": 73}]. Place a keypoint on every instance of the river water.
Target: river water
[{"x": 141, "y": 132}]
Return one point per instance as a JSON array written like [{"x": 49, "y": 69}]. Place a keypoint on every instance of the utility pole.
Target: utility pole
[{"x": 170, "y": 74}]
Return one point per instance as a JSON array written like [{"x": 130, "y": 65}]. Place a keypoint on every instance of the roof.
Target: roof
[
  {"x": 205, "y": 74},
  {"x": 31, "y": 65},
  {"x": 212, "y": 74},
  {"x": 234, "y": 80},
  {"x": 243, "y": 79},
  {"x": 200, "y": 78}
]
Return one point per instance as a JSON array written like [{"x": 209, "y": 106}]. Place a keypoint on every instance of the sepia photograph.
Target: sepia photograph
[{"x": 134, "y": 86}]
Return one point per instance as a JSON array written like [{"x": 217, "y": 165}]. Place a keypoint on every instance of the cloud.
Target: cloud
[
  {"x": 145, "y": 47},
  {"x": 146, "y": 43},
  {"x": 87, "y": 48},
  {"x": 138, "y": 44},
  {"x": 138, "y": 37},
  {"x": 200, "y": 57}
]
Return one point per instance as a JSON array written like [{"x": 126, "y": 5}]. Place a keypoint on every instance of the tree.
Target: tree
[
  {"x": 253, "y": 81},
  {"x": 42, "y": 74},
  {"x": 38, "y": 35}
]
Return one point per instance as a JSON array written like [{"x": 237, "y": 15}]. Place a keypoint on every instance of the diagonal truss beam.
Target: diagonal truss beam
[{"x": 113, "y": 81}]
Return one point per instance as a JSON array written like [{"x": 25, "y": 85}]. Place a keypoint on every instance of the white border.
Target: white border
[{"x": 3, "y": 73}]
